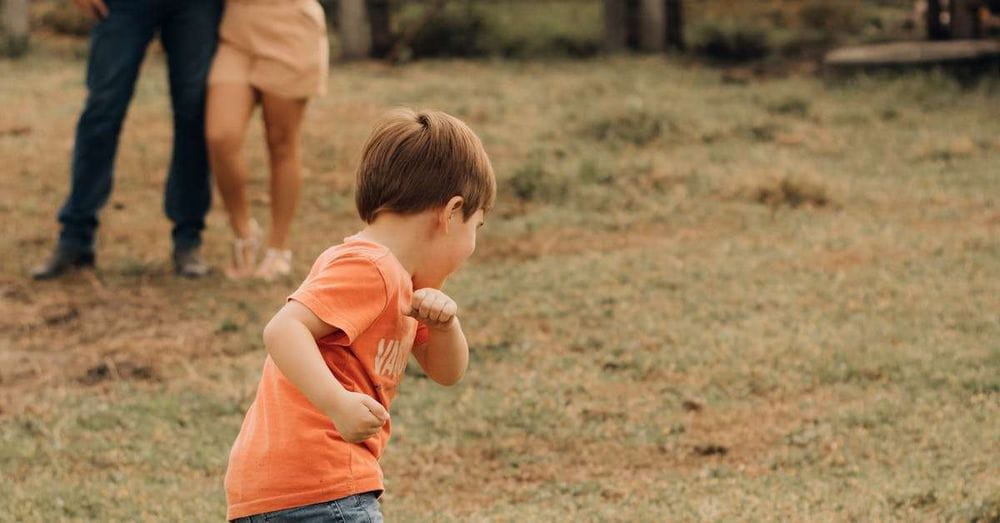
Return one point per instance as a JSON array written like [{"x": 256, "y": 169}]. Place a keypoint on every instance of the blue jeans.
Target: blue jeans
[
  {"x": 188, "y": 30},
  {"x": 360, "y": 508}
]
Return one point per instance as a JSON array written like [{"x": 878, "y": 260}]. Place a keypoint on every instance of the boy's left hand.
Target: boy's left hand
[{"x": 433, "y": 308}]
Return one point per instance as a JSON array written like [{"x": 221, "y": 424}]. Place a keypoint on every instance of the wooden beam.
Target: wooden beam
[{"x": 914, "y": 53}]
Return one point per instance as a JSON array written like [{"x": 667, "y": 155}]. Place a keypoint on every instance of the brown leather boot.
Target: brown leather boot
[{"x": 63, "y": 260}]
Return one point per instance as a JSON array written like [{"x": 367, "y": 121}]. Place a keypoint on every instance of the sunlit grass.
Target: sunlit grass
[{"x": 695, "y": 300}]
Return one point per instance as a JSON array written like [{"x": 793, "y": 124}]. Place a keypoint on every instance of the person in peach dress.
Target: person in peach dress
[{"x": 272, "y": 53}]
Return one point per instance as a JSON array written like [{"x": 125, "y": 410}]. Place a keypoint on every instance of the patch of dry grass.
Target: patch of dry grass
[{"x": 789, "y": 189}]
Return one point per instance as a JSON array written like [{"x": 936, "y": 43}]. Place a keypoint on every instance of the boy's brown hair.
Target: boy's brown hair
[{"x": 414, "y": 161}]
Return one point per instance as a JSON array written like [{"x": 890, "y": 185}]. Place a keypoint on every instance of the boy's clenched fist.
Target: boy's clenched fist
[{"x": 433, "y": 308}]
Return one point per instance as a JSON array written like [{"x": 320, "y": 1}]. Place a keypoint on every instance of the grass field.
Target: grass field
[{"x": 701, "y": 297}]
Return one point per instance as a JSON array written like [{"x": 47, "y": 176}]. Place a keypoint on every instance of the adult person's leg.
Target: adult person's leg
[
  {"x": 283, "y": 127},
  {"x": 228, "y": 111},
  {"x": 189, "y": 33},
  {"x": 117, "y": 46}
]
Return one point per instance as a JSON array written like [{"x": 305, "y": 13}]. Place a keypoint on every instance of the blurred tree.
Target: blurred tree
[
  {"x": 381, "y": 29},
  {"x": 644, "y": 25},
  {"x": 355, "y": 33},
  {"x": 365, "y": 28},
  {"x": 955, "y": 19},
  {"x": 407, "y": 34},
  {"x": 14, "y": 27},
  {"x": 675, "y": 24},
  {"x": 652, "y": 26},
  {"x": 615, "y": 26},
  {"x": 936, "y": 30}
]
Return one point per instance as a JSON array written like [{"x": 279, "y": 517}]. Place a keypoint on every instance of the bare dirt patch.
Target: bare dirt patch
[{"x": 79, "y": 333}]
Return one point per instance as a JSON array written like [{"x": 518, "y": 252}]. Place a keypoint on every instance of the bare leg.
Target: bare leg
[
  {"x": 227, "y": 113},
  {"x": 283, "y": 126}
]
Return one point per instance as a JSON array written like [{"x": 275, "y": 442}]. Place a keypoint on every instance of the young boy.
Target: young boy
[{"x": 310, "y": 443}]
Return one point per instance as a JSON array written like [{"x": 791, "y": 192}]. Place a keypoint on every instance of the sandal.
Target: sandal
[
  {"x": 244, "y": 253},
  {"x": 276, "y": 264}
]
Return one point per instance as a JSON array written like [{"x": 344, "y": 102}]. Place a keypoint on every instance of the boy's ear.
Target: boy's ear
[{"x": 453, "y": 206}]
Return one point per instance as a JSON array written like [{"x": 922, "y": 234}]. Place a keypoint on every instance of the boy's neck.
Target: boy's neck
[{"x": 406, "y": 236}]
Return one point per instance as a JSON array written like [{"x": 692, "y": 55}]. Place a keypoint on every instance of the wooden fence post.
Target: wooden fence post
[
  {"x": 645, "y": 25},
  {"x": 964, "y": 16},
  {"x": 14, "y": 27}
]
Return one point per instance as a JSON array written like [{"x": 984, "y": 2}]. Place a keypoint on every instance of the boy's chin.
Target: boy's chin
[{"x": 423, "y": 282}]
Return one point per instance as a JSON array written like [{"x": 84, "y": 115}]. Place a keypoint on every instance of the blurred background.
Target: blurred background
[
  {"x": 724, "y": 30},
  {"x": 745, "y": 264}
]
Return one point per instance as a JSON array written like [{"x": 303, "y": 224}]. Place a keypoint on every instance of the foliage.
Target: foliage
[
  {"x": 532, "y": 182},
  {"x": 508, "y": 29},
  {"x": 638, "y": 127},
  {"x": 831, "y": 17},
  {"x": 731, "y": 41},
  {"x": 460, "y": 30}
]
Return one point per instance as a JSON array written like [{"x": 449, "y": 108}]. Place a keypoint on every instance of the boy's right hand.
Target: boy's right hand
[{"x": 358, "y": 416}]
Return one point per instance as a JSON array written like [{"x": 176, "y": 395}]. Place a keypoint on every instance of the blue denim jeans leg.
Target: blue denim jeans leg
[
  {"x": 188, "y": 30},
  {"x": 360, "y": 508}
]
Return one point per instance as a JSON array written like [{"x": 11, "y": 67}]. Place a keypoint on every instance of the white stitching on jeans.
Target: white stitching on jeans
[{"x": 335, "y": 511}]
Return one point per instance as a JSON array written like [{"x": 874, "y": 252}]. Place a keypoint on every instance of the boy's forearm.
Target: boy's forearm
[
  {"x": 447, "y": 354},
  {"x": 296, "y": 354}
]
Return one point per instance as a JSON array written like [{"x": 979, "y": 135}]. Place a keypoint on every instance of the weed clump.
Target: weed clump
[
  {"x": 981, "y": 511},
  {"x": 533, "y": 182},
  {"x": 792, "y": 105},
  {"x": 634, "y": 127},
  {"x": 793, "y": 193},
  {"x": 118, "y": 370},
  {"x": 958, "y": 148},
  {"x": 592, "y": 173},
  {"x": 788, "y": 190},
  {"x": 762, "y": 132}
]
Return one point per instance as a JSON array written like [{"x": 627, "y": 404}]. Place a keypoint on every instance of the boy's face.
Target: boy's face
[{"x": 455, "y": 245}]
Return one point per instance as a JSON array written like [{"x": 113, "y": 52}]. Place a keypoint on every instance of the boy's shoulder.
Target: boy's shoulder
[
  {"x": 354, "y": 254},
  {"x": 351, "y": 285},
  {"x": 354, "y": 248}
]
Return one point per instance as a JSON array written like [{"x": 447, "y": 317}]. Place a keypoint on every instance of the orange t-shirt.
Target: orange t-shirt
[{"x": 288, "y": 453}]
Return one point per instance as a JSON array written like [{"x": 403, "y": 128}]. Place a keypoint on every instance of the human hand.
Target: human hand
[
  {"x": 358, "y": 416},
  {"x": 96, "y": 8},
  {"x": 433, "y": 308}
]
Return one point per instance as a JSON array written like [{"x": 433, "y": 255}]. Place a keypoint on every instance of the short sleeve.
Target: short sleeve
[
  {"x": 423, "y": 335},
  {"x": 347, "y": 292}
]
